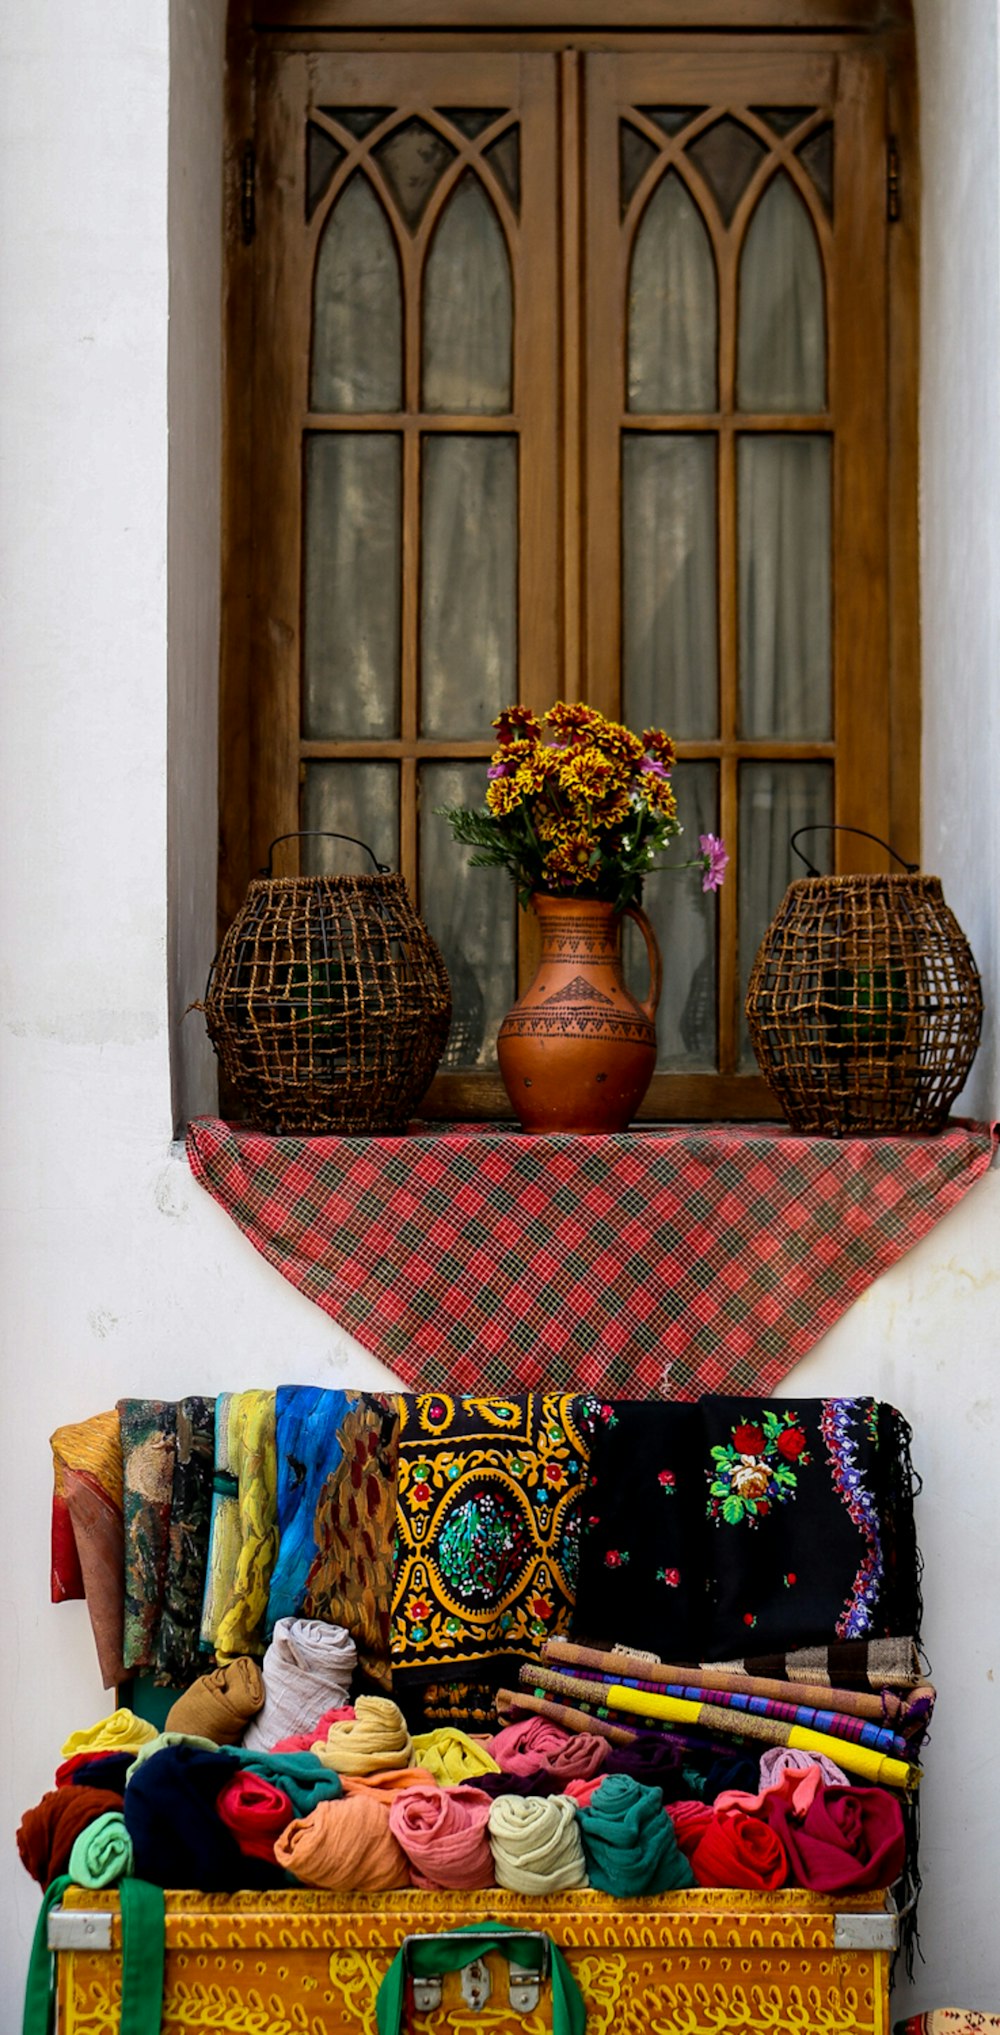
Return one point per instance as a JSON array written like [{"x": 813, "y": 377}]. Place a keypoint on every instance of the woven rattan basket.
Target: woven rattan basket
[
  {"x": 328, "y": 1003},
  {"x": 864, "y": 1004}
]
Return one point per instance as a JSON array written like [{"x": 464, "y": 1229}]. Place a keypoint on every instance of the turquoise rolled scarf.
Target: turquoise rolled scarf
[
  {"x": 143, "y": 1954},
  {"x": 629, "y": 1842},
  {"x": 430, "y": 1954}
]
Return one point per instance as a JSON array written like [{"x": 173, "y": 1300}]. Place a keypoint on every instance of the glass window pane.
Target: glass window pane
[
  {"x": 672, "y": 322},
  {"x": 782, "y": 338},
  {"x": 412, "y": 159},
  {"x": 468, "y": 559},
  {"x": 351, "y": 625},
  {"x": 505, "y": 158},
  {"x": 350, "y": 798},
  {"x": 784, "y": 508},
  {"x": 727, "y": 155},
  {"x": 471, "y": 913},
  {"x": 357, "y": 347},
  {"x": 684, "y": 918},
  {"x": 468, "y": 315},
  {"x": 670, "y": 645},
  {"x": 775, "y": 799}
]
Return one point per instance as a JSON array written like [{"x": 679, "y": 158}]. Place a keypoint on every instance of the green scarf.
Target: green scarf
[
  {"x": 431, "y": 1954},
  {"x": 142, "y": 1912}
]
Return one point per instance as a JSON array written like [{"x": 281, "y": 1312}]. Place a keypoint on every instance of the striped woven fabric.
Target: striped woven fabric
[{"x": 856, "y": 1730}]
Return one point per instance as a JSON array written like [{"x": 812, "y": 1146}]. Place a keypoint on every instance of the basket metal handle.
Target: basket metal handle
[
  {"x": 827, "y": 827},
  {"x": 324, "y": 834}
]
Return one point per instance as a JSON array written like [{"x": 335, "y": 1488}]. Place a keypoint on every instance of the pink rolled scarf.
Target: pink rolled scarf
[
  {"x": 443, "y": 1832},
  {"x": 534, "y": 1745}
]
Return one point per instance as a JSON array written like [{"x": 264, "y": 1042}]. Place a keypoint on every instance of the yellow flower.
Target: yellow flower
[{"x": 568, "y": 723}]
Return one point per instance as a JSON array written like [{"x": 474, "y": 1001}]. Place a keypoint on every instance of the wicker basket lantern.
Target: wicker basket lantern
[
  {"x": 864, "y": 1003},
  {"x": 328, "y": 1002}
]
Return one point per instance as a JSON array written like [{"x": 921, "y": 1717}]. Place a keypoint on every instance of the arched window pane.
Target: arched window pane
[
  {"x": 782, "y": 338},
  {"x": 357, "y": 347},
  {"x": 670, "y": 584},
  {"x": 672, "y": 321},
  {"x": 468, "y": 312}
]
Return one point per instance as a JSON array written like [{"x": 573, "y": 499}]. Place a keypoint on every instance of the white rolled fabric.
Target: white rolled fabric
[
  {"x": 536, "y": 1843},
  {"x": 307, "y": 1670}
]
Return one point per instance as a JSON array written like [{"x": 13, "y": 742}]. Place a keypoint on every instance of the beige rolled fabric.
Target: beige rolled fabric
[
  {"x": 375, "y": 1740},
  {"x": 536, "y": 1844}
]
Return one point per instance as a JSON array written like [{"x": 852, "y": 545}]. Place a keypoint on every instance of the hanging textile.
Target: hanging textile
[
  {"x": 88, "y": 1535},
  {"x": 308, "y": 1449},
  {"x": 176, "y": 1652},
  {"x": 148, "y": 1451},
  {"x": 252, "y": 1457},
  {"x": 350, "y": 1581}
]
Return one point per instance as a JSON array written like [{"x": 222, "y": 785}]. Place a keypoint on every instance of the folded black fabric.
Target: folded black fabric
[
  {"x": 177, "y": 1837},
  {"x": 102, "y": 1773},
  {"x": 645, "y": 1542}
]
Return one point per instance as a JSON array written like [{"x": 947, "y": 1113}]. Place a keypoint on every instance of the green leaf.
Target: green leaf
[
  {"x": 733, "y": 1511},
  {"x": 723, "y": 1455}
]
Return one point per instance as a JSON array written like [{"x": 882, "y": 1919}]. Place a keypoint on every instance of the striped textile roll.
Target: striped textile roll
[
  {"x": 856, "y": 1730},
  {"x": 886, "y": 1707}
]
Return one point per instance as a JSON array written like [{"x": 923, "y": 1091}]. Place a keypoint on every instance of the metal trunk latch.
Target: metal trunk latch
[{"x": 476, "y": 1984}]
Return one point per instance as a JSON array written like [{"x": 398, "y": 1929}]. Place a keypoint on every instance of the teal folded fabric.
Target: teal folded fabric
[
  {"x": 307, "y": 1442},
  {"x": 102, "y": 1854},
  {"x": 300, "y": 1775},
  {"x": 629, "y": 1842}
]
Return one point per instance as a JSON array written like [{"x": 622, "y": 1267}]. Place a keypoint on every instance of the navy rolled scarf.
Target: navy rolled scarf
[{"x": 177, "y": 1837}]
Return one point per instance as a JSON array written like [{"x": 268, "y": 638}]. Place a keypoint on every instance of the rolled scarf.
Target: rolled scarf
[
  {"x": 307, "y": 1670},
  {"x": 883, "y": 1706},
  {"x": 783, "y": 1759},
  {"x": 219, "y": 1705},
  {"x": 123, "y": 1731},
  {"x": 224, "y": 1527},
  {"x": 536, "y": 1746},
  {"x": 299, "y": 1775},
  {"x": 176, "y": 1652},
  {"x": 386, "y": 1786},
  {"x": 88, "y": 1533},
  {"x": 444, "y": 1834},
  {"x": 373, "y": 1741},
  {"x": 256, "y": 1812},
  {"x": 736, "y": 1850},
  {"x": 99, "y": 1770},
  {"x": 178, "y": 1838},
  {"x": 452, "y": 1756},
  {"x": 350, "y": 1581},
  {"x": 252, "y": 1456},
  {"x": 308, "y": 1449},
  {"x": 690, "y": 1821},
  {"x": 858, "y": 1730},
  {"x": 535, "y": 1841},
  {"x": 303, "y": 1741},
  {"x": 148, "y": 1431},
  {"x": 629, "y": 1843},
  {"x": 848, "y": 1840},
  {"x": 48, "y": 1832},
  {"x": 581, "y": 1792},
  {"x": 161, "y": 1742},
  {"x": 345, "y": 1847},
  {"x": 102, "y": 1854}
]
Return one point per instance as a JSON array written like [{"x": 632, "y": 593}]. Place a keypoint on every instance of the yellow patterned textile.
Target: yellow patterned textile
[{"x": 254, "y": 1464}]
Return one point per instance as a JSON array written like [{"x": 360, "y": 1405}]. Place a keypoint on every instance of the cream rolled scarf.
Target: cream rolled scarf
[
  {"x": 375, "y": 1740},
  {"x": 536, "y": 1845},
  {"x": 307, "y": 1670}
]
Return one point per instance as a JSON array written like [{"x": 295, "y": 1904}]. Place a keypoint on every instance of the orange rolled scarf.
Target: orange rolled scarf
[
  {"x": 345, "y": 1846},
  {"x": 219, "y": 1706},
  {"x": 443, "y": 1832},
  {"x": 386, "y": 1786}
]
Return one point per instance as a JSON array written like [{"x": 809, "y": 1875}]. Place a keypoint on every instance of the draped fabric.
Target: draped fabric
[
  {"x": 488, "y": 1524},
  {"x": 253, "y": 1463},
  {"x": 176, "y": 1653},
  {"x": 148, "y": 1436},
  {"x": 88, "y": 1535},
  {"x": 224, "y": 1527},
  {"x": 308, "y": 1450},
  {"x": 644, "y": 1546},
  {"x": 350, "y": 1580}
]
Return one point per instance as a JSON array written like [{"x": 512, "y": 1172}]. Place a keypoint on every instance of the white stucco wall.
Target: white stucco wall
[{"x": 119, "y": 1275}]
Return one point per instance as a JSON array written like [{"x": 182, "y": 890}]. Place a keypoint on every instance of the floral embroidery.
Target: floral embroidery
[
  {"x": 749, "y": 1617},
  {"x": 614, "y": 1559},
  {"x": 755, "y": 1472},
  {"x": 671, "y": 1577},
  {"x": 836, "y": 1420},
  {"x": 667, "y": 1482}
]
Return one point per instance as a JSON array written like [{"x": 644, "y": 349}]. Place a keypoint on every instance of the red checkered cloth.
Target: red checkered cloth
[{"x": 675, "y": 1261}]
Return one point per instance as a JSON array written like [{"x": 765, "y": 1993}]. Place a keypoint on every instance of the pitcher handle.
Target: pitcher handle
[{"x": 635, "y": 912}]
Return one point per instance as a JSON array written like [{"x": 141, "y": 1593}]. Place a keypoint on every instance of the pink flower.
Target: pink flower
[{"x": 716, "y": 856}]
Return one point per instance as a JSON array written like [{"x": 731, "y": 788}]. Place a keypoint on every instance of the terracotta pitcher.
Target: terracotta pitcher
[{"x": 577, "y": 1051}]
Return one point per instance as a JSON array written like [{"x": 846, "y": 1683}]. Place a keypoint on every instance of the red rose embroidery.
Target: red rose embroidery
[
  {"x": 612, "y": 1559},
  {"x": 673, "y": 1577},
  {"x": 421, "y": 1493},
  {"x": 749, "y": 1617},
  {"x": 748, "y": 1440},
  {"x": 667, "y": 1479},
  {"x": 791, "y": 1444}
]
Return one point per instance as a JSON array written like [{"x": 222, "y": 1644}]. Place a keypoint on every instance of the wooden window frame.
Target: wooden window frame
[{"x": 257, "y": 27}]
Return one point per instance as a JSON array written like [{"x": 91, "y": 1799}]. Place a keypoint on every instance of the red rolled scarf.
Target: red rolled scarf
[
  {"x": 256, "y": 1812},
  {"x": 736, "y": 1850},
  {"x": 49, "y": 1831},
  {"x": 534, "y": 1745},
  {"x": 848, "y": 1840},
  {"x": 690, "y": 1821},
  {"x": 444, "y": 1835}
]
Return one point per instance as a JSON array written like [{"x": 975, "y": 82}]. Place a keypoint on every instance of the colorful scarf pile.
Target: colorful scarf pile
[
  {"x": 536, "y": 1746},
  {"x": 102, "y": 1854},
  {"x": 219, "y": 1705},
  {"x": 308, "y": 1450},
  {"x": 488, "y": 1522},
  {"x": 176, "y": 1650},
  {"x": 148, "y": 1437},
  {"x": 299, "y": 1775},
  {"x": 88, "y": 1534},
  {"x": 256, "y": 1812},
  {"x": 178, "y": 1837},
  {"x": 350, "y": 1581},
  {"x": 48, "y": 1832},
  {"x": 253, "y": 1463},
  {"x": 856, "y": 1730},
  {"x": 307, "y": 1670},
  {"x": 374, "y": 1741},
  {"x": 536, "y": 1844},
  {"x": 443, "y": 1833},
  {"x": 345, "y": 1846},
  {"x": 629, "y": 1843},
  {"x": 452, "y": 1757}
]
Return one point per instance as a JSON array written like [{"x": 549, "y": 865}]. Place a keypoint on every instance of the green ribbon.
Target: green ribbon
[
  {"x": 142, "y": 1913},
  {"x": 429, "y": 1956}
]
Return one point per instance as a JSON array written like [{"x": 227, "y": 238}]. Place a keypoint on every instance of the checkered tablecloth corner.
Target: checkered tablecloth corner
[{"x": 671, "y": 1261}]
